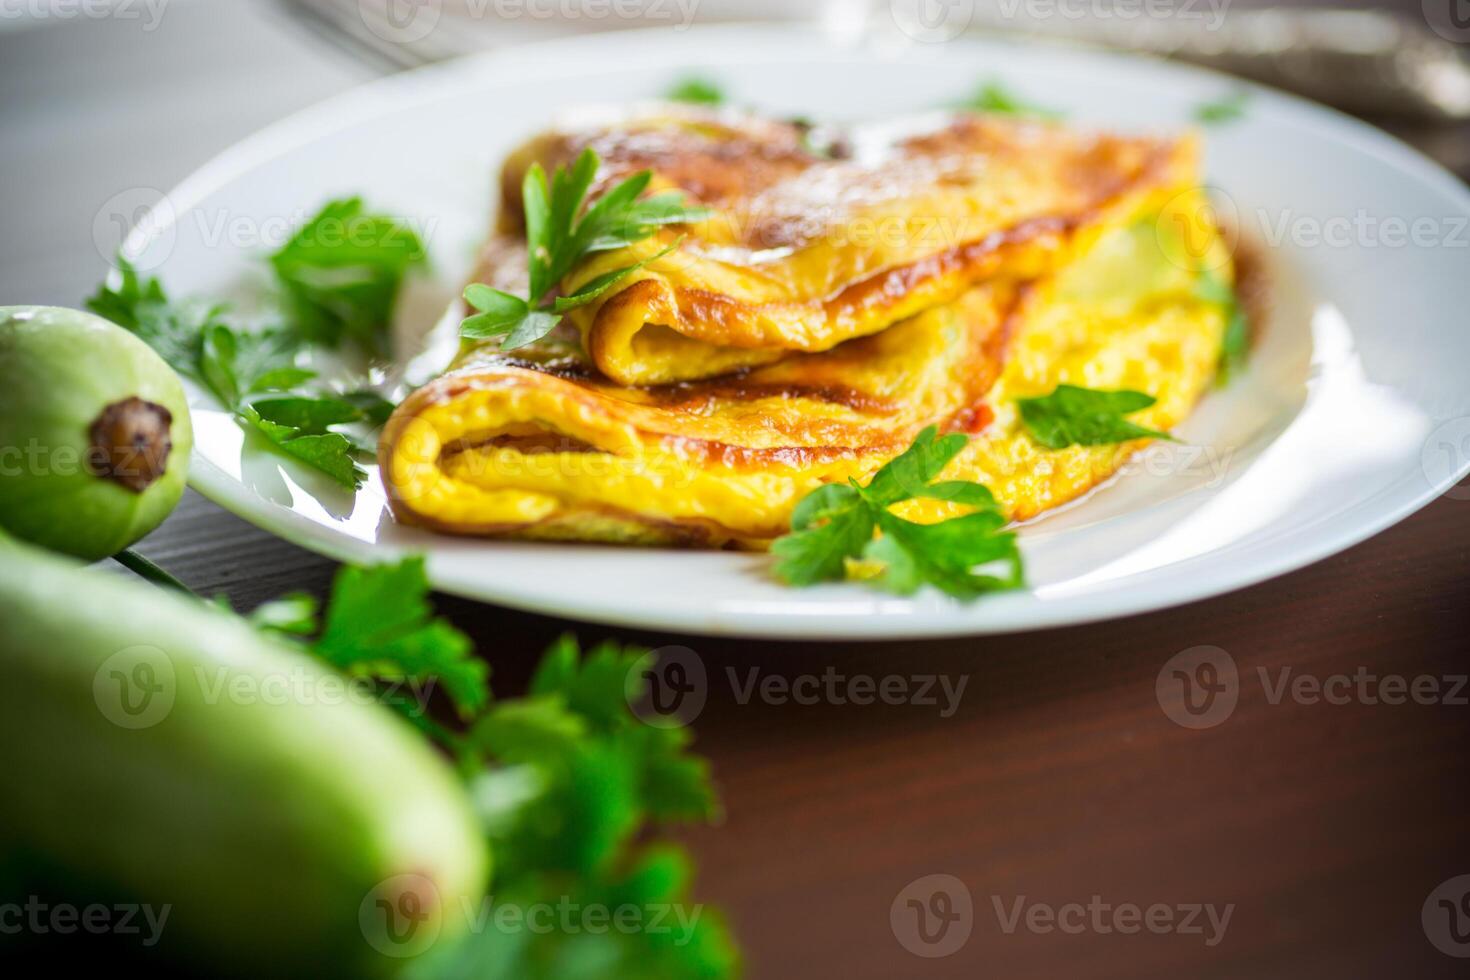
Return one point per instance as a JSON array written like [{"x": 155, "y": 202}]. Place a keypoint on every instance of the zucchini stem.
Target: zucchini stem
[{"x": 144, "y": 568}]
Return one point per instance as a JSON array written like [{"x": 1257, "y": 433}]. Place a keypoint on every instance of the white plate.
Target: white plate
[{"x": 1353, "y": 415}]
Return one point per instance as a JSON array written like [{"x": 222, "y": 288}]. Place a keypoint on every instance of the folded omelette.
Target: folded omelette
[{"x": 844, "y": 293}]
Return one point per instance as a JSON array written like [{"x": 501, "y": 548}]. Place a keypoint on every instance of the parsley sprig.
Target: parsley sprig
[
  {"x": 1073, "y": 416},
  {"x": 697, "y": 91},
  {"x": 341, "y": 272},
  {"x": 378, "y": 624},
  {"x": 1235, "y": 345},
  {"x": 568, "y": 782},
  {"x": 561, "y": 231},
  {"x": 994, "y": 97},
  {"x": 253, "y": 373},
  {"x": 837, "y": 522},
  {"x": 1227, "y": 108}
]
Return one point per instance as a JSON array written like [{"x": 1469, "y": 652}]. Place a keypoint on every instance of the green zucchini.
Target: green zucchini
[
  {"x": 95, "y": 432},
  {"x": 168, "y": 752}
]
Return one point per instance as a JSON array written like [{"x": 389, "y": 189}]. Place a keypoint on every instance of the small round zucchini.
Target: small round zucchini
[{"x": 94, "y": 432}]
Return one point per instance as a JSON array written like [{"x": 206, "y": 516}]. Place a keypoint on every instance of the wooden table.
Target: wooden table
[{"x": 1059, "y": 777}]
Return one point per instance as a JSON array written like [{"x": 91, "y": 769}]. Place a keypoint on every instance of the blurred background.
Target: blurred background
[{"x": 105, "y": 97}]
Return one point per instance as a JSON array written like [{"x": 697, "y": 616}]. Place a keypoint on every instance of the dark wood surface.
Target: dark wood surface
[{"x": 1060, "y": 777}]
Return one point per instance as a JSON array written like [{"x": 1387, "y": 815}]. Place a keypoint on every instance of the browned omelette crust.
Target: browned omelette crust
[
  {"x": 715, "y": 159},
  {"x": 804, "y": 420},
  {"x": 804, "y": 252}
]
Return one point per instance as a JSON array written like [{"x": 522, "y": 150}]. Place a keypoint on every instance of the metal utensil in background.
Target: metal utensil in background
[{"x": 1369, "y": 61}]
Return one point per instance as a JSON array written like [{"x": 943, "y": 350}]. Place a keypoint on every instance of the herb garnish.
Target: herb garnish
[
  {"x": 341, "y": 272},
  {"x": 1226, "y": 109},
  {"x": 568, "y": 782},
  {"x": 992, "y": 96},
  {"x": 697, "y": 91},
  {"x": 1073, "y": 416},
  {"x": 1235, "y": 344},
  {"x": 379, "y": 624},
  {"x": 557, "y": 239},
  {"x": 836, "y": 522},
  {"x": 250, "y": 372}
]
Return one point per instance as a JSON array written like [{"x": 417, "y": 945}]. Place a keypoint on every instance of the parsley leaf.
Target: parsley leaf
[
  {"x": 836, "y": 522},
  {"x": 697, "y": 91},
  {"x": 994, "y": 97},
  {"x": 908, "y": 475},
  {"x": 576, "y": 702},
  {"x": 373, "y": 407},
  {"x": 1226, "y": 109},
  {"x": 830, "y": 525},
  {"x": 946, "y": 554},
  {"x": 595, "y": 287},
  {"x": 379, "y": 624},
  {"x": 341, "y": 273},
  {"x": 313, "y": 416},
  {"x": 1235, "y": 344},
  {"x": 568, "y": 782},
  {"x": 253, "y": 373},
  {"x": 558, "y": 239},
  {"x": 234, "y": 363},
  {"x": 175, "y": 331},
  {"x": 330, "y": 452},
  {"x": 1073, "y": 416},
  {"x": 499, "y": 312}
]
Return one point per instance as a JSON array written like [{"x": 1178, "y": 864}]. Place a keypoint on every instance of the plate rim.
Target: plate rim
[{"x": 870, "y": 616}]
